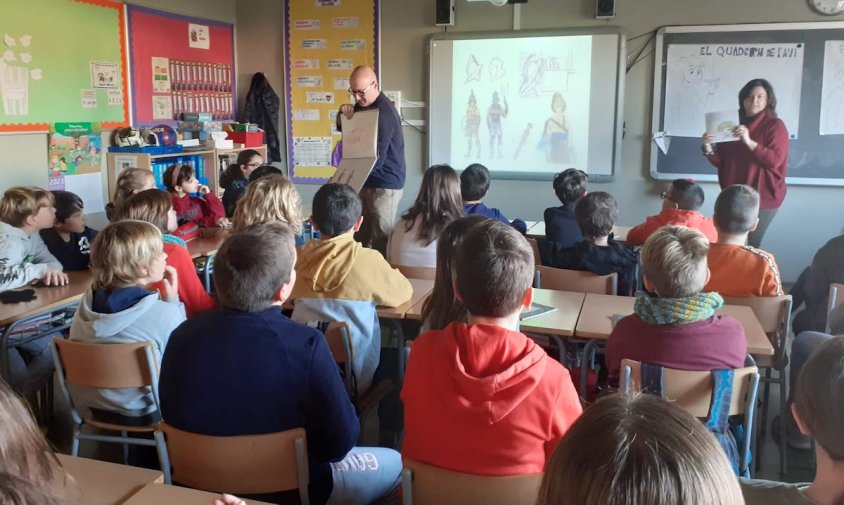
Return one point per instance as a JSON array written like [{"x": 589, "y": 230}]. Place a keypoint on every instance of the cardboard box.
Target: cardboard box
[
  {"x": 201, "y": 126},
  {"x": 248, "y": 139}
]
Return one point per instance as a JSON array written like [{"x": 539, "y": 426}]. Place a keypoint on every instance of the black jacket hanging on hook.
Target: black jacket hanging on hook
[{"x": 262, "y": 106}]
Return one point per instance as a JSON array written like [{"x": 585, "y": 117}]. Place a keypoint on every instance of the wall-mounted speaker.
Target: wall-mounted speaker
[
  {"x": 445, "y": 13},
  {"x": 604, "y": 9}
]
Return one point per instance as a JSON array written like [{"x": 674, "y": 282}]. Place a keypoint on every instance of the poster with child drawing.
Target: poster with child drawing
[{"x": 702, "y": 78}]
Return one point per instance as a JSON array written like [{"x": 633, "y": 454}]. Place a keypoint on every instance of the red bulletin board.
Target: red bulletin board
[{"x": 157, "y": 34}]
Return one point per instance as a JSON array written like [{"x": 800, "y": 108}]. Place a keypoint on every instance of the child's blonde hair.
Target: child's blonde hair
[
  {"x": 21, "y": 202},
  {"x": 639, "y": 449},
  {"x": 121, "y": 252},
  {"x": 129, "y": 182},
  {"x": 674, "y": 261},
  {"x": 271, "y": 198}
]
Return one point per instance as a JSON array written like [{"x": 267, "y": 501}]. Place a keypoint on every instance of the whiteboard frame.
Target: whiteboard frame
[
  {"x": 659, "y": 63},
  {"x": 615, "y": 166}
]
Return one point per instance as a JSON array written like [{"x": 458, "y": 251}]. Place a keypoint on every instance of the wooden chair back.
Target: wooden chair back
[
  {"x": 427, "y": 485},
  {"x": 426, "y": 273},
  {"x": 337, "y": 336},
  {"x": 578, "y": 281},
  {"x": 692, "y": 390},
  {"x": 773, "y": 312},
  {"x": 243, "y": 464},
  {"x": 108, "y": 365},
  {"x": 534, "y": 245}
]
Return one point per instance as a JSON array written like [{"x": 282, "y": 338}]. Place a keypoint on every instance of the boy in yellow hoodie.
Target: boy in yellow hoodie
[{"x": 337, "y": 279}]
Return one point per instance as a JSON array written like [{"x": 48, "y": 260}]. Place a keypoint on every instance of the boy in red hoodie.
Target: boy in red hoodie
[
  {"x": 681, "y": 203},
  {"x": 482, "y": 398},
  {"x": 204, "y": 210}
]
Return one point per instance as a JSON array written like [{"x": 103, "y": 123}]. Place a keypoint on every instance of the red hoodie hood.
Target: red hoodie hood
[{"x": 487, "y": 370}]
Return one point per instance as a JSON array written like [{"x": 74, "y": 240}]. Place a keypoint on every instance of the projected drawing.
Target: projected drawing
[
  {"x": 496, "y": 69},
  {"x": 523, "y": 140},
  {"x": 692, "y": 98},
  {"x": 472, "y": 125},
  {"x": 531, "y": 75},
  {"x": 556, "y": 73},
  {"x": 473, "y": 70},
  {"x": 494, "y": 114},
  {"x": 832, "y": 102},
  {"x": 556, "y": 135}
]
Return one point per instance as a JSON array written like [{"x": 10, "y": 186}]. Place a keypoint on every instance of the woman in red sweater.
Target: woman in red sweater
[{"x": 760, "y": 157}]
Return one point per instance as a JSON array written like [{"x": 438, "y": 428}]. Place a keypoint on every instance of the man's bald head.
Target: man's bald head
[{"x": 363, "y": 84}]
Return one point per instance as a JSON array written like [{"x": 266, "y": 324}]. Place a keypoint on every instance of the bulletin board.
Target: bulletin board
[
  {"x": 325, "y": 40},
  {"x": 50, "y": 72},
  {"x": 180, "y": 64},
  {"x": 702, "y": 69}
]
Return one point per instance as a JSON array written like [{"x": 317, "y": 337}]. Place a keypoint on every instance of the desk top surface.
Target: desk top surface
[
  {"x": 421, "y": 289},
  {"x": 207, "y": 246},
  {"x": 48, "y": 298},
  {"x": 161, "y": 494},
  {"x": 560, "y": 322},
  {"x": 538, "y": 231},
  {"x": 103, "y": 483},
  {"x": 596, "y": 320}
]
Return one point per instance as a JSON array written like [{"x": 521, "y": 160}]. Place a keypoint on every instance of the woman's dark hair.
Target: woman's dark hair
[
  {"x": 437, "y": 204},
  {"x": 233, "y": 171},
  {"x": 442, "y": 308},
  {"x": 769, "y": 90},
  {"x": 264, "y": 171}
]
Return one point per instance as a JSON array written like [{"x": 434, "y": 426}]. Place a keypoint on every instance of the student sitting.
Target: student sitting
[
  {"x": 818, "y": 410},
  {"x": 129, "y": 182},
  {"x": 236, "y": 176},
  {"x": 474, "y": 185},
  {"x": 676, "y": 325},
  {"x": 413, "y": 241},
  {"x": 247, "y": 369},
  {"x": 681, "y": 201},
  {"x": 24, "y": 259},
  {"x": 337, "y": 279},
  {"x": 480, "y": 397},
  {"x": 638, "y": 449},
  {"x": 155, "y": 206},
  {"x": 205, "y": 210},
  {"x": 69, "y": 240},
  {"x": 442, "y": 308},
  {"x": 738, "y": 269},
  {"x": 560, "y": 222},
  {"x": 812, "y": 288},
  {"x": 126, "y": 257},
  {"x": 597, "y": 252},
  {"x": 270, "y": 198}
]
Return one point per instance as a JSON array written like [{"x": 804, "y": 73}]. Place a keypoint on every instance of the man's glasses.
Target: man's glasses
[
  {"x": 664, "y": 195},
  {"x": 361, "y": 92}
]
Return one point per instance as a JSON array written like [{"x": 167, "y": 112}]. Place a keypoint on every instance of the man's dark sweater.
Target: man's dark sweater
[
  {"x": 239, "y": 373},
  {"x": 389, "y": 170}
]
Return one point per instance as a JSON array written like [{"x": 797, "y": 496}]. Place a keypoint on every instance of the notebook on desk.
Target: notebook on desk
[{"x": 536, "y": 309}]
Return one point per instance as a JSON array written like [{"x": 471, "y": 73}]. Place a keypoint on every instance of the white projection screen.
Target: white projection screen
[{"x": 527, "y": 105}]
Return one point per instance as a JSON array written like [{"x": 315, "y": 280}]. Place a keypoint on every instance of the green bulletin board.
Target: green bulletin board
[{"x": 62, "y": 61}]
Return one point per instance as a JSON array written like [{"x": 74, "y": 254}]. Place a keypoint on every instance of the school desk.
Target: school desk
[
  {"x": 596, "y": 321},
  {"x": 103, "y": 483},
  {"x": 48, "y": 299},
  {"x": 162, "y": 494},
  {"x": 421, "y": 289},
  {"x": 619, "y": 232},
  {"x": 207, "y": 246}
]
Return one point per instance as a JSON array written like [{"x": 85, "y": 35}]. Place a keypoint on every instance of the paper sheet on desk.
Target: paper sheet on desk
[{"x": 360, "y": 149}]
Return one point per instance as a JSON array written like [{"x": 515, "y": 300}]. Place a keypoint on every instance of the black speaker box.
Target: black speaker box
[
  {"x": 445, "y": 13},
  {"x": 604, "y": 9}
]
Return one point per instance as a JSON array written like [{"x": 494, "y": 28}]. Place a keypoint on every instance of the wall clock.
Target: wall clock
[{"x": 827, "y": 7}]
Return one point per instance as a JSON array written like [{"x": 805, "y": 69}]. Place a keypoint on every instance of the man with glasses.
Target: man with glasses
[
  {"x": 383, "y": 189},
  {"x": 681, "y": 202}
]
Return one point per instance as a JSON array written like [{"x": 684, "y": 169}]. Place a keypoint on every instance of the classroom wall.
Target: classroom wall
[{"x": 808, "y": 218}]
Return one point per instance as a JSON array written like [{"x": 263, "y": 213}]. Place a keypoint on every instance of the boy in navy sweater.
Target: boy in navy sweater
[
  {"x": 248, "y": 369},
  {"x": 474, "y": 184},
  {"x": 70, "y": 239}
]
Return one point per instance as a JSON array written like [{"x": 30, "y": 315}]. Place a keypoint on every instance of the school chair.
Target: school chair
[
  {"x": 340, "y": 344},
  {"x": 109, "y": 366},
  {"x": 534, "y": 245},
  {"x": 425, "y": 273},
  {"x": 693, "y": 392},
  {"x": 774, "y": 314},
  {"x": 836, "y": 296},
  {"x": 578, "y": 281},
  {"x": 205, "y": 269},
  {"x": 428, "y": 485},
  {"x": 242, "y": 464}
]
